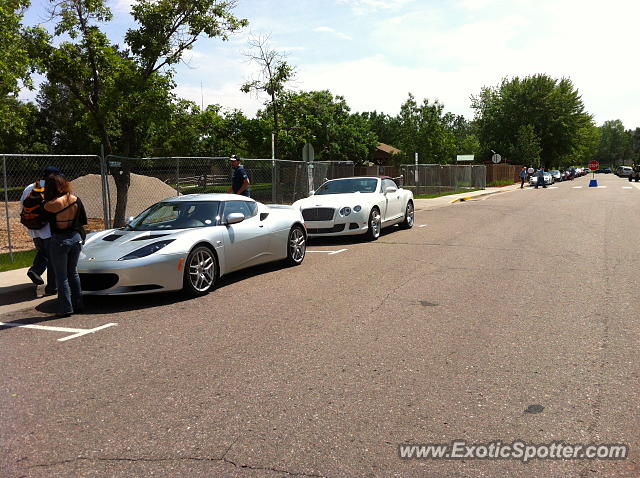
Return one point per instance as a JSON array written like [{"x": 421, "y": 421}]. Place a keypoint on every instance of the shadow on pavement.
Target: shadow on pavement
[
  {"x": 99, "y": 305},
  {"x": 346, "y": 240}
]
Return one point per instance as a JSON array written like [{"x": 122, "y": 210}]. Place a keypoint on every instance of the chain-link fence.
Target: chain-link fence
[
  {"x": 442, "y": 178},
  {"x": 104, "y": 184}
]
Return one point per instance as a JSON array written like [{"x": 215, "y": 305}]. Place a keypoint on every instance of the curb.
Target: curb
[{"x": 467, "y": 198}]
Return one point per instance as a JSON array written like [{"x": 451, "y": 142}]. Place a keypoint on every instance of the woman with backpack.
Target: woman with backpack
[{"x": 66, "y": 216}]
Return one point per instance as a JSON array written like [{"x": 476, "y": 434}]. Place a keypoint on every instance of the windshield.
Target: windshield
[
  {"x": 165, "y": 216},
  {"x": 351, "y": 185}
]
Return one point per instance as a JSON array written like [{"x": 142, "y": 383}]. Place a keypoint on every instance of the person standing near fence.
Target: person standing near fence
[
  {"x": 239, "y": 178},
  {"x": 523, "y": 176},
  {"x": 67, "y": 217},
  {"x": 34, "y": 193}
]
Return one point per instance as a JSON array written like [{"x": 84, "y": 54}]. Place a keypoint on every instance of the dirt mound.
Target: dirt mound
[{"x": 143, "y": 192}]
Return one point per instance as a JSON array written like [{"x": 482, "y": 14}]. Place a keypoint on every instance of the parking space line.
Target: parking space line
[
  {"x": 422, "y": 225},
  {"x": 577, "y": 187},
  {"x": 330, "y": 252},
  {"x": 75, "y": 332},
  {"x": 627, "y": 187}
]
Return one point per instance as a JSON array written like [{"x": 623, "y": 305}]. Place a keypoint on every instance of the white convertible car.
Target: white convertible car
[{"x": 361, "y": 205}]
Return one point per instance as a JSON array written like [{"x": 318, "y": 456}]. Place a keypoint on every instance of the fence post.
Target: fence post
[
  {"x": 274, "y": 181},
  {"x": 6, "y": 206},
  {"x": 178, "y": 176},
  {"x": 105, "y": 185}
]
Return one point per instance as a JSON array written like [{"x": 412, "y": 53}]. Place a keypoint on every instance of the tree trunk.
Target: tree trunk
[{"x": 122, "y": 178}]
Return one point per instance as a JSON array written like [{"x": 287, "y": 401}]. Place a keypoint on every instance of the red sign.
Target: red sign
[{"x": 593, "y": 165}]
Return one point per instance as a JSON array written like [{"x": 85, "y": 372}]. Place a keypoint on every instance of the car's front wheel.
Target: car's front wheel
[
  {"x": 375, "y": 224},
  {"x": 296, "y": 246},
  {"x": 200, "y": 271},
  {"x": 409, "y": 216}
]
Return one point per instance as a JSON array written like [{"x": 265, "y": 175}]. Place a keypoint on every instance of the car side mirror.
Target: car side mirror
[
  {"x": 390, "y": 189},
  {"x": 235, "y": 218},
  {"x": 128, "y": 221},
  {"x": 311, "y": 193}
]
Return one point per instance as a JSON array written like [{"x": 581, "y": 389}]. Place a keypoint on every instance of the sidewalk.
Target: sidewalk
[
  {"x": 17, "y": 292},
  {"x": 442, "y": 201}
]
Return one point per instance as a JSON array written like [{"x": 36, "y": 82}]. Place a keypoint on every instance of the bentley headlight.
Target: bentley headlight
[
  {"x": 146, "y": 250},
  {"x": 345, "y": 211},
  {"x": 357, "y": 209}
]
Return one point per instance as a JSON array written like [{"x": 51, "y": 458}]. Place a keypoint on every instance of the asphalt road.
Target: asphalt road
[{"x": 526, "y": 300}]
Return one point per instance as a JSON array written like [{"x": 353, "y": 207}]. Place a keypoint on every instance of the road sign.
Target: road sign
[
  {"x": 308, "y": 153},
  {"x": 593, "y": 165},
  {"x": 496, "y": 158},
  {"x": 464, "y": 157}
]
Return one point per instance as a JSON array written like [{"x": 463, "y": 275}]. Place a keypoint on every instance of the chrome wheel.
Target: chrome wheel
[
  {"x": 297, "y": 245},
  {"x": 409, "y": 217},
  {"x": 375, "y": 225},
  {"x": 201, "y": 270}
]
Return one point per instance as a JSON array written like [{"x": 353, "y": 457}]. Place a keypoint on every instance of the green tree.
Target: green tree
[
  {"x": 15, "y": 68},
  {"x": 274, "y": 74},
  {"x": 527, "y": 147},
  {"x": 425, "y": 129},
  {"x": 126, "y": 92},
  {"x": 552, "y": 107},
  {"x": 615, "y": 144},
  {"x": 325, "y": 121}
]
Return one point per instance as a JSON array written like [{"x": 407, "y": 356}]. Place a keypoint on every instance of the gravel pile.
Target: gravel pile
[{"x": 144, "y": 191}]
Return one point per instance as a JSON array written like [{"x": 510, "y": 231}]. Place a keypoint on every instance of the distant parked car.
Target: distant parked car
[
  {"x": 635, "y": 173},
  {"x": 607, "y": 171},
  {"x": 623, "y": 171},
  {"x": 548, "y": 179},
  {"x": 557, "y": 175}
]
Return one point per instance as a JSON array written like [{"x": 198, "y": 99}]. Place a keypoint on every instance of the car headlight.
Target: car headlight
[
  {"x": 345, "y": 211},
  {"x": 146, "y": 250},
  {"x": 357, "y": 209}
]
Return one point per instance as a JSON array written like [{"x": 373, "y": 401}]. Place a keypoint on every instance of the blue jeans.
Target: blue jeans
[
  {"x": 64, "y": 253},
  {"x": 42, "y": 260}
]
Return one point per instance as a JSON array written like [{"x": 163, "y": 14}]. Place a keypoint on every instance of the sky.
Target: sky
[{"x": 375, "y": 52}]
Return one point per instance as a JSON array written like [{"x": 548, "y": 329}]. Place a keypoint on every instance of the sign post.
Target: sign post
[{"x": 593, "y": 165}]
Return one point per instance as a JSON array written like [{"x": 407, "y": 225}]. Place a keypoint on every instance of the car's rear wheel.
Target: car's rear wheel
[
  {"x": 375, "y": 225},
  {"x": 409, "y": 216},
  {"x": 200, "y": 271},
  {"x": 296, "y": 246}
]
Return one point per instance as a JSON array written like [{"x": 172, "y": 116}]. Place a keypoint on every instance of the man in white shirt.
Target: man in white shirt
[{"x": 41, "y": 238}]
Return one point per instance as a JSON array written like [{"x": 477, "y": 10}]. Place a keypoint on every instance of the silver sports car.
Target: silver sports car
[{"x": 188, "y": 242}]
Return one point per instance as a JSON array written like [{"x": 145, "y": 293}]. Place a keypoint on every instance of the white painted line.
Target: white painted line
[
  {"x": 338, "y": 252},
  {"x": 601, "y": 187},
  {"x": 552, "y": 187},
  {"x": 422, "y": 225},
  {"x": 86, "y": 331},
  {"x": 577, "y": 187},
  {"x": 330, "y": 252},
  {"x": 627, "y": 187},
  {"x": 75, "y": 332}
]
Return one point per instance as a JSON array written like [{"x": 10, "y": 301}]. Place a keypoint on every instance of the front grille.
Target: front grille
[
  {"x": 318, "y": 214},
  {"x": 326, "y": 230},
  {"x": 93, "y": 282},
  {"x": 353, "y": 225}
]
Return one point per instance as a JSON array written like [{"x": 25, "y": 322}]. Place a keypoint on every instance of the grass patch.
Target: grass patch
[
  {"x": 20, "y": 259},
  {"x": 448, "y": 193}
]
